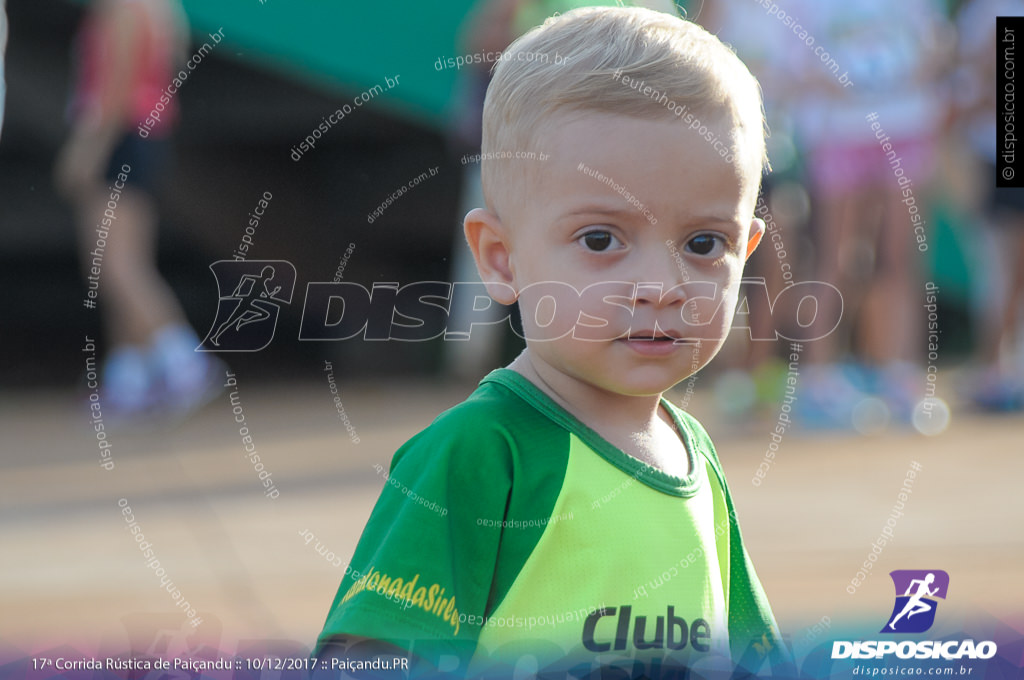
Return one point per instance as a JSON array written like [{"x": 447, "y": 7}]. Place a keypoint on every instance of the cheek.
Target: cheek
[
  {"x": 549, "y": 310},
  {"x": 725, "y": 309},
  {"x": 606, "y": 311},
  {"x": 711, "y": 309}
]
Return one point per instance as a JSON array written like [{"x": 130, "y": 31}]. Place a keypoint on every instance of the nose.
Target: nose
[
  {"x": 657, "y": 295},
  {"x": 661, "y": 279}
]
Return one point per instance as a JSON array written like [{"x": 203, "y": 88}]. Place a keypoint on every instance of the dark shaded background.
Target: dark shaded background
[{"x": 239, "y": 120}]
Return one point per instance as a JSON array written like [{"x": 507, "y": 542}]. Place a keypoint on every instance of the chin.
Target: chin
[{"x": 646, "y": 386}]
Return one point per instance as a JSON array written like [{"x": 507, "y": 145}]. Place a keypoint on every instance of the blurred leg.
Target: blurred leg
[
  {"x": 837, "y": 236},
  {"x": 1000, "y": 385},
  {"x": 151, "y": 360},
  {"x": 890, "y": 319},
  {"x": 135, "y": 300},
  {"x": 1008, "y": 327}
]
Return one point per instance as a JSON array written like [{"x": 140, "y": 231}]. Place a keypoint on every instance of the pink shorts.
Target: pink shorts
[{"x": 838, "y": 169}]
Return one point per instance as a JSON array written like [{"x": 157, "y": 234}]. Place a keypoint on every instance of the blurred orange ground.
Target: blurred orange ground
[{"x": 70, "y": 573}]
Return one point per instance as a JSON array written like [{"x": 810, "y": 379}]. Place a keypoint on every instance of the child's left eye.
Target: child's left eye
[
  {"x": 705, "y": 244},
  {"x": 600, "y": 240}
]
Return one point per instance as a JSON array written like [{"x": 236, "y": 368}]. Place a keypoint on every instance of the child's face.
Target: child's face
[{"x": 667, "y": 274}]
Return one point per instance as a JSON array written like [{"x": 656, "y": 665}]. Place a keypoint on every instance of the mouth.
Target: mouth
[
  {"x": 654, "y": 344},
  {"x": 657, "y": 337}
]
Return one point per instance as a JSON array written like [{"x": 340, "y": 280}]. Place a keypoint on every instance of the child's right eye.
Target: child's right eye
[{"x": 599, "y": 240}]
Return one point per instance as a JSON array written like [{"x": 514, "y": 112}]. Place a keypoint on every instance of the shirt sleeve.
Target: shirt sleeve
[{"x": 423, "y": 569}]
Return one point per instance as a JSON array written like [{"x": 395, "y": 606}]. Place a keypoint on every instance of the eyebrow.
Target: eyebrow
[
  {"x": 630, "y": 212},
  {"x": 600, "y": 210},
  {"x": 704, "y": 219}
]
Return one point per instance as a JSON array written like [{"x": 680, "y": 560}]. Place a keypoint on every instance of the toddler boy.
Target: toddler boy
[{"x": 584, "y": 519}]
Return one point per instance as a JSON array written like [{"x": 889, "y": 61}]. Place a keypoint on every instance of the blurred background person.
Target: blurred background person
[
  {"x": 865, "y": 241},
  {"x": 1000, "y": 222},
  {"x": 127, "y": 52}
]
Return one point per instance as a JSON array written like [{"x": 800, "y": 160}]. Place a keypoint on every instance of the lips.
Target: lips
[
  {"x": 656, "y": 336},
  {"x": 653, "y": 344}
]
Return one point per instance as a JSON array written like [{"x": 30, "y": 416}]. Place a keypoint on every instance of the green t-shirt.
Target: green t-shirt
[{"x": 509, "y": 528}]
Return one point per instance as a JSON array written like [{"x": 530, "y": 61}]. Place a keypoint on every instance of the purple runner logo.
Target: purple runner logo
[
  {"x": 247, "y": 316},
  {"x": 914, "y": 611}
]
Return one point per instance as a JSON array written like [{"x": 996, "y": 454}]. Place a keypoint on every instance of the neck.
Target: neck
[{"x": 597, "y": 408}]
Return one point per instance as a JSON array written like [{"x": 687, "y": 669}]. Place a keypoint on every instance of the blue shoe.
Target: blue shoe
[
  {"x": 999, "y": 393},
  {"x": 187, "y": 379},
  {"x": 901, "y": 385},
  {"x": 826, "y": 397},
  {"x": 127, "y": 386}
]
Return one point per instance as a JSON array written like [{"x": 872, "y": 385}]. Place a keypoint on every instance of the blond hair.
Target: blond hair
[{"x": 576, "y": 62}]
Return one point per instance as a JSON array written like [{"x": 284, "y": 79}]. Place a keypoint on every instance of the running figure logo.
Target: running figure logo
[
  {"x": 914, "y": 611},
  {"x": 247, "y": 317}
]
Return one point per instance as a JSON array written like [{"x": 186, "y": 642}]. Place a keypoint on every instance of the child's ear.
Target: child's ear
[
  {"x": 488, "y": 239},
  {"x": 756, "y": 232}
]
